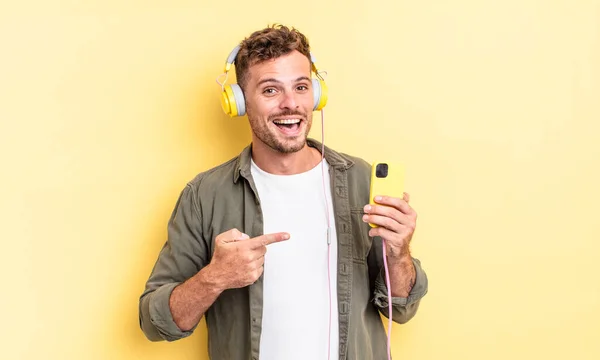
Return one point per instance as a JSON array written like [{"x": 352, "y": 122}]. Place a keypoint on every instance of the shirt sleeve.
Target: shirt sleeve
[
  {"x": 184, "y": 253},
  {"x": 403, "y": 308}
]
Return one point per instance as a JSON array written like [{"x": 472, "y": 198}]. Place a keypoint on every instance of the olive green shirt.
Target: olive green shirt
[{"x": 225, "y": 197}]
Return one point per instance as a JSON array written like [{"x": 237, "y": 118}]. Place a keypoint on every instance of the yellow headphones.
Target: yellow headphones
[{"x": 232, "y": 97}]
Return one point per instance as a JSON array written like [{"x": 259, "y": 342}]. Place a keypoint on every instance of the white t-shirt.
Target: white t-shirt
[{"x": 296, "y": 309}]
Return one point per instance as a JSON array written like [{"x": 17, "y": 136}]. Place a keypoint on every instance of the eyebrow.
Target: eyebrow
[{"x": 279, "y": 82}]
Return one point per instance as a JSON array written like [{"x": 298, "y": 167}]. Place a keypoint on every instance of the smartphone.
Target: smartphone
[{"x": 387, "y": 179}]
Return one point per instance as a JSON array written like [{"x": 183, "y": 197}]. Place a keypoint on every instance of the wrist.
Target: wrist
[
  {"x": 402, "y": 260},
  {"x": 402, "y": 276},
  {"x": 209, "y": 281}
]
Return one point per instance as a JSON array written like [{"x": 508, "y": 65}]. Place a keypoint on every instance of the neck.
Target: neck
[{"x": 278, "y": 163}]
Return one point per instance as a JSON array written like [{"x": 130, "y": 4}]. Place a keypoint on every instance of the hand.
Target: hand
[
  {"x": 397, "y": 222},
  {"x": 238, "y": 260}
]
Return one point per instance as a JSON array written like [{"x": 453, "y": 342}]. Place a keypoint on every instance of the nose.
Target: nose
[{"x": 289, "y": 101}]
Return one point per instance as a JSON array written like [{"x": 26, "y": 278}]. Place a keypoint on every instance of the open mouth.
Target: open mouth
[{"x": 288, "y": 126}]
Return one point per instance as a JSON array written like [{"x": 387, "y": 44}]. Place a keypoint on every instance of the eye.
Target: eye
[
  {"x": 269, "y": 91},
  {"x": 302, "y": 88}
]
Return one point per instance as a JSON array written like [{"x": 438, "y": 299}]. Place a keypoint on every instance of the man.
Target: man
[{"x": 318, "y": 291}]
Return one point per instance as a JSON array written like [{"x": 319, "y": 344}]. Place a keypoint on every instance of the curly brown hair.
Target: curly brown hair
[{"x": 269, "y": 43}]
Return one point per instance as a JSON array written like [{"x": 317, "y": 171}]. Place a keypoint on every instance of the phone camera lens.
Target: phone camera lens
[{"x": 381, "y": 170}]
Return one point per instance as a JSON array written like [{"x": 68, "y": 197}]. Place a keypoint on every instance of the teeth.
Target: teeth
[{"x": 287, "y": 121}]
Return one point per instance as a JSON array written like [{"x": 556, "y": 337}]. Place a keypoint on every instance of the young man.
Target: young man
[{"x": 318, "y": 291}]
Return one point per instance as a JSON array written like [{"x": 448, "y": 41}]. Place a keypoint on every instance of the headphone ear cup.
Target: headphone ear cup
[
  {"x": 232, "y": 100},
  {"x": 239, "y": 99},
  {"x": 319, "y": 94}
]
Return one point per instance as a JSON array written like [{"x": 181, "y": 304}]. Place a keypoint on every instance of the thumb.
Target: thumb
[{"x": 232, "y": 235}]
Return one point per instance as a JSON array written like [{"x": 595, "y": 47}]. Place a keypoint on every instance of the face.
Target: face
[{"x": 279, "y": 102}]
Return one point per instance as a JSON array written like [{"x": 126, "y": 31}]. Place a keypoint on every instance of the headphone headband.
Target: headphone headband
[
  {"x": 231, "y": 58},
  {"x": 233, "y": 54}
]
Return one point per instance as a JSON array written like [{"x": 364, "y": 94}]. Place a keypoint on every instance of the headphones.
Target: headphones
[{"x": 232, "y": 97}]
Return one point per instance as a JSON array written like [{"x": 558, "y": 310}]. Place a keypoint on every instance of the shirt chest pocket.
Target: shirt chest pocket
[{"x": 360, "y": 235}]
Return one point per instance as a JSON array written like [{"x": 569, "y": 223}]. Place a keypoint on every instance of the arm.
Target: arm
[
  {"x": 190, "y": 300},
  {"x": 184, "y": 284},
  {"x": 405, "y": 303},
  {"x": 402, "y": 275},
  {"x": 396, "y": 223},
  {"x": 183, "y": 255}
]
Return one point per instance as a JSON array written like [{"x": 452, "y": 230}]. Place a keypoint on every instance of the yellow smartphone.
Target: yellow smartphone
[{"x": 387, "y": 179}]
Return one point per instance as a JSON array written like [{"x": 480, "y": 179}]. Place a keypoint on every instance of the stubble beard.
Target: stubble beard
[{"x": 286, "y": 146}]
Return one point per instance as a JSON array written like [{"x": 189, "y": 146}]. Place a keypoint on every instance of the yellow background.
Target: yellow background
[{"x": 108, "y": 107}]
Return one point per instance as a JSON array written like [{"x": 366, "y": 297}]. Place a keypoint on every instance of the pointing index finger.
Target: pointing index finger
[{"x": 268, "y": 239}]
